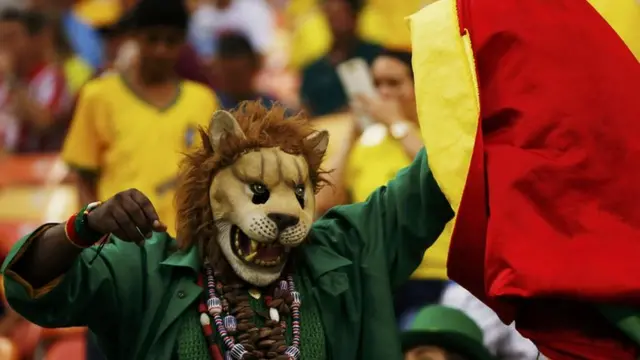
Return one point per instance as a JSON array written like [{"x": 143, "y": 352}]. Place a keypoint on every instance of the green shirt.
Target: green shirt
[{"x": 133, "y": 297}]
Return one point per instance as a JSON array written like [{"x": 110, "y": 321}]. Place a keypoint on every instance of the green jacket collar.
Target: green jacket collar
[
  {"x": 321, "y": 259},
  {"x": 188, "y": 258}
]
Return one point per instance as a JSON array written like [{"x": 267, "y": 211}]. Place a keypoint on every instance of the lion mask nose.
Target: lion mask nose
[{"x": 283, "y": 221}]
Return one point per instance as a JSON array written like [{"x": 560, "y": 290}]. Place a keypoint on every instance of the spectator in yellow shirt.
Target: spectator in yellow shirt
[
  {"x": 130, "y": 129},
  {"x": 374, "y": 158}
]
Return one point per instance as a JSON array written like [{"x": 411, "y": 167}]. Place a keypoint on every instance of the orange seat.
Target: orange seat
[
  {"x": 8, "y": 351},
  {"x": 68, "y": 348}
]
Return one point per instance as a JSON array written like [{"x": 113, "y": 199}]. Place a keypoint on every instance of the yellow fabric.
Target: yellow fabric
[
  {"x": 133, "y": 144},
  {"x": 624, "y": 17},
  {"x": 363, "y": 175},
  {"x": 76, "y": 72},
  {"x": 449, "y": 143},
  {"x": 386, "y": 23},
  {"x": 33, "y": 293},
  {"x": 381, "y": 21},
  {"x": 98, "y": 12}
]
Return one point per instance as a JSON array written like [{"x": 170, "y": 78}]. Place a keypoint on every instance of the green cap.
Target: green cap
[{"x": 448, "y": 328}]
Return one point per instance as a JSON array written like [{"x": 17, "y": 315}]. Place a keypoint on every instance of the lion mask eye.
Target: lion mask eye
[
  {"x": 299, "y": 190},
  {"x": 260, "y": 193}
]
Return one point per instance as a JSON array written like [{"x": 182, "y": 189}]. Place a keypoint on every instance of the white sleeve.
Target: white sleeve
[{"x": 501, "y": 340}]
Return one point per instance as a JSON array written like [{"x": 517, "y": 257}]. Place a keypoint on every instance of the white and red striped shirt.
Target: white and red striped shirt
[{"x": 46, "y": 84}]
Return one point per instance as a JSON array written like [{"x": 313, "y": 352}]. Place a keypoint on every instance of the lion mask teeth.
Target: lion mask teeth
[{"x": 255, "y": 248}]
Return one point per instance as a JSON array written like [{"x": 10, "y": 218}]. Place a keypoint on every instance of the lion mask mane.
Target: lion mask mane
[{"x": 246, "y": 196}]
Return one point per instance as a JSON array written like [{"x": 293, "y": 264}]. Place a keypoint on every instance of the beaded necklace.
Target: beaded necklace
[{"x": 228, "y": 322}]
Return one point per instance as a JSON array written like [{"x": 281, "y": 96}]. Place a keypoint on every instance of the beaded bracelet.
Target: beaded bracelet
[{"x": 77, "y": 228}]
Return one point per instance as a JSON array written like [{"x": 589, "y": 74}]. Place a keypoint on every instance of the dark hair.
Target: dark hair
[
  {"x": 400, "y": 55},
  {"x": 33, "y": 21},
  {"x": 235, "y": 44},
  {"x": 11, "y": 14},
  {"x": 149, "y": 13},
  {"x": 355, "y": 5}
]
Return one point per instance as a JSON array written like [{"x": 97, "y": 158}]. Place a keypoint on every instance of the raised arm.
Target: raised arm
[
  {"x": 398, "y": 222},
  {"x": 54, "y": 279}
]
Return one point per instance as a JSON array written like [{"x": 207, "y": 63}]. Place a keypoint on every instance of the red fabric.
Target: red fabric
[
  {"x": 48, "y": 87},
  {"x": 558, "y": 150}
]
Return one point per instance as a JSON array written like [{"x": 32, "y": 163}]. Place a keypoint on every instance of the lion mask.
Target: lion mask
[{"x": 261, "y": 172}]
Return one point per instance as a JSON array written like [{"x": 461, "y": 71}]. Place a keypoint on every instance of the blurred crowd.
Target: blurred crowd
[{"x": 117, "y": 91}]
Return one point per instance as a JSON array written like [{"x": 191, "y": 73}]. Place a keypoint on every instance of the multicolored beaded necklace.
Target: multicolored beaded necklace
[{"x": 226, "y": 321}]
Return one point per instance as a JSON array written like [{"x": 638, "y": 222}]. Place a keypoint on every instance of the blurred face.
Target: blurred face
[
  {"x": 237, "y": 74},
  {"x": 340, "y": 16},
  {"x": 14, "y": 39},
  {"x": 112, "y": 46},
  {"x": 426, "y": 353},
  {"x": 159, "y": 51},
  {"x": 393, "y": 80}
]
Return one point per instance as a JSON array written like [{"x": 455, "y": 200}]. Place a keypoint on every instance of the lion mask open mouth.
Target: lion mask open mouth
[{"x": 255, "y": 252}]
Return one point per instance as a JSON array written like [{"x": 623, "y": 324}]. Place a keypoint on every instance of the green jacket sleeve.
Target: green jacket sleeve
[
  {"x": 92, "y": 293},
  {"x": 396, "y": 224}
]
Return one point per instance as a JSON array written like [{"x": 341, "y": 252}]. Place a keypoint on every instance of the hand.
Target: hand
[
  {"x": 382, "y": 111},
  {"x": 129, "y": 215}
]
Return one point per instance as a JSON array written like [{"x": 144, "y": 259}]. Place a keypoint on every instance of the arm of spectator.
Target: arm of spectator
[
  {"x": 37, "y": 104},
  {"x": 502, "y": 340},
  {"x": 412, "y": 143},
  {"x": 82, "y": 147},
  {"x": 388, "y": 113}
]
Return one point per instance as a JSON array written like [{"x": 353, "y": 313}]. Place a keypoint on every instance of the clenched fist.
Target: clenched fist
[{"x": 129, "y": 215}]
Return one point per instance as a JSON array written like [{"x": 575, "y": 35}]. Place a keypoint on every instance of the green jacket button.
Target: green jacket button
[{"x": 181, "y": 294}]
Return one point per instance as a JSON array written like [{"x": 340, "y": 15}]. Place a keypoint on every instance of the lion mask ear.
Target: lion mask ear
[
  {"x": 223, "y": 125},
  {"x": 319, "y": 140}
]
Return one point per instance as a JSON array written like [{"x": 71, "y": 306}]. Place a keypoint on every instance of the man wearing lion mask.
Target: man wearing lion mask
[{"x": 249, "y": 276}]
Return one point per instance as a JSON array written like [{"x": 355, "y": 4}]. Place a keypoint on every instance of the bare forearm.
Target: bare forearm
[
  {"x": 87, "y": 187},
  {"x": 48, "y": 256},
  {"x": 412, "y": 144}
]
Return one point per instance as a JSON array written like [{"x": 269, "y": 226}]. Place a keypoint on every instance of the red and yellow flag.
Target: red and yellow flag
[{"x": 530, "y": 113}]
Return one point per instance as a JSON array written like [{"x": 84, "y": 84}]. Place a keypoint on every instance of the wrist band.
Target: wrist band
[{"x": 77, "y": 228}]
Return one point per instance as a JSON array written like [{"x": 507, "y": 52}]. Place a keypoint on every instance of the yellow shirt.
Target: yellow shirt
[
  {"x": 132, "y": 144},
  {"x": 77, "y": 72},
  {"x": 381, "y": 21},
  {"x": 374, "y": 160}
]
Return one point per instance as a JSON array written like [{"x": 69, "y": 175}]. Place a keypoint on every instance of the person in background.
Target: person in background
[
  {"x": 76, "y": 70},
  {"x": 321, "y": 91},
  {"x": 113, "y": 36},
  {"x": 443, "y": 333},
  {"x": 238, "y": 66},
  {"x": 83, "y": 39},
  {"x": 503, "y": 341},
  {"x": 133, "y": 126},
  {"x": 375, "y": 156},
  {"x": 210, "y": 19},
  {"x": 34, "y": 89}
]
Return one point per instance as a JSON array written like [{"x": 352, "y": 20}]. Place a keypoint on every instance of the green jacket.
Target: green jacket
[{"x": 131, "y": 297}]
